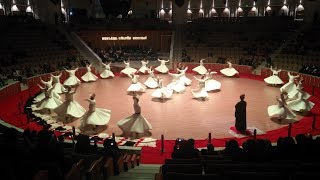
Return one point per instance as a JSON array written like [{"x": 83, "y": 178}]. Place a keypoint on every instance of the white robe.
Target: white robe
[
  {"x": 151, "y": 82},
  {"x": 295, "y": 93},
  {"x": 135, "y": 123},
  {"x": 176, "y": 85},
  {"x": 136, "y": 86},
  {"x": 162, "y": 92},
  {"x": 274, "y": 79},
  {"x": 210, "y": 83},
  {"x": 183, "y": 78},
  {"x": 49, "y": 102},
  {"x": 106, "y": 71},
  {"x": 89, "y": 76},
  {"x": 281, "y": 110},
  {"x": 143, "y": 68},
  {"x": 200, "y": 69},
  {"x": 70, "y": 107},
  {"x": 229, "y": 71},
  {"x": 95, "y": 116},
  {"x": 162, "y": 68},
  {"x": 290, "y": 85},
  {"x": 72, "y": 79},
  {"x": 201, "y": 92},
  {"x": 57, "y": 86},
  {"x": 128, "y": 70},
  {"x": 300, "y": 104}
]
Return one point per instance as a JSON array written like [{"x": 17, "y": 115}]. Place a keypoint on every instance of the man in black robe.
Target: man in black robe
[{"x": 241, "y": 114}]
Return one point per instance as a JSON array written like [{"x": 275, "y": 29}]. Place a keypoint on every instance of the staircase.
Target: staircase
[
  {"x": 141, "y": 172},
  {"x": 85, "y": 51}
]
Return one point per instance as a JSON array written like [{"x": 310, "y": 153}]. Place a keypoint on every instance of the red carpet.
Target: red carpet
[{"x": 10, "y": 113}]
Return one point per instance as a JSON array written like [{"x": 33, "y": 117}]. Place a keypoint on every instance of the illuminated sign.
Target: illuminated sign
[{"x": 124, "y": 38}]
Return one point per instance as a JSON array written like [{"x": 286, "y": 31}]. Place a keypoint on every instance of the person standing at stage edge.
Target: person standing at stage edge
[{"x": 241, "y": 114}]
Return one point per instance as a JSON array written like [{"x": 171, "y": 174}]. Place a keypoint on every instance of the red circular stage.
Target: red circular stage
[{"x": 183, "y": 116}]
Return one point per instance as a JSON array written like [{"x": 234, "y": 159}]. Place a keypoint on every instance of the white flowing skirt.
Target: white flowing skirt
[
  {"x": 42, "y": 95},
  {"x": 288, "y": 87},
  {"x": 72, "y": 108},
  {"x": 186, "y": 81},
  {"x": 295, "y": 94},
  {"x": 163, "y": 92},
  {"x": 229, "y": 71},
  {"x": 200, "y": 69},
  {"x": 137, "y": 87},
  {"x": 58, "y": 88},
  {"x": 71, "y": 81},
  {"x": 143, "y": 69},
  {"x": 177, "y": 86},
  {"x": 283, "y": 112},
  {"x": 212, "y": 84},
  {"x": 301, "y": 105},
  {"x": 134, "y": 123},
  {"x": 151, "y": 83},
  {"x": 274, "y": 79},
  {"x": 98, "y": 117},
  {"x": 128, "y": 70},
  {"x": 106, "y": 74},
  {"x": 162, "y": 69},
  {"x": 89, "y": 76},
  {"x": 50, "y": 103},
  {"x": 199, "y": 93}
]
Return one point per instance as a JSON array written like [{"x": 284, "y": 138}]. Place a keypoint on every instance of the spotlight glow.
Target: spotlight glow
[
  {"x": 14, "y": 8},
  {"x": 29, "y": 10},
  {"x": 240, "y": 9},
  {"x": 268, "y": 8},
  {"x": 300, "y": 7}
]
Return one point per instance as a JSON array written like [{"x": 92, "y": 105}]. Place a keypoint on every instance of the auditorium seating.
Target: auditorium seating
[
  {"x": 29, "y": 47},
  {"x": 249, "y": 163}
]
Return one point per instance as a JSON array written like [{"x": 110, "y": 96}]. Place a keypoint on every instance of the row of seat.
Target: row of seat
[
  {"x": 228, "y": 169},
  {"x": 102, "y": 168}
]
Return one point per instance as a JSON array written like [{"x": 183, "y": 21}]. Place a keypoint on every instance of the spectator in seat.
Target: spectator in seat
[{"x": 111, "y": 149}]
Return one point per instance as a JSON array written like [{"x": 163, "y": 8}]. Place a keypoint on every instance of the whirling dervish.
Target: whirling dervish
[
  {"x": 281, "y": 109},
  {"x": 200, "y": 69},
  {"x": 128, "y": 70},
  {"x": 49, "y": 102},
  {"x": 294, "y": 94},
  {"x": 210, "y": 83},
  {"x": 201, "y": 92},
  {"x": 72, "y": 79},
  {"x": 47, "y": 85},
  {"x": 135, "y": 125},
  {"x": 162, "y": 68},
  {"x": 94, "y": 116},
  {"x": 89, "y": 76},
  {"x": 106, "y": 71},
  {"x": 69, "y": 108},
  {"x": 135, "y": 86},
  {"x": 290, "y": 85},
  {"x": 57, "y": 86},
  {"x": 229, "y": 71},
  {"x": 151, "y": 82},
  {"x": 301, "y": 104},
  {"x": 176, "y": 85},
  {"x": 274, "y": 78},
  {"x": 143, "y": 69},
  {"x": 162, "y": 92},
  {"x": 183, "y": 78}
]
